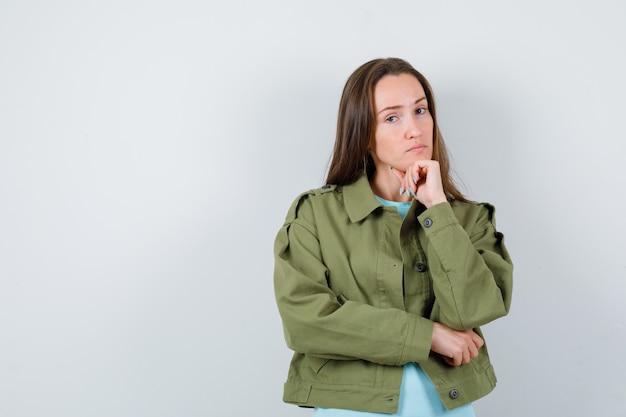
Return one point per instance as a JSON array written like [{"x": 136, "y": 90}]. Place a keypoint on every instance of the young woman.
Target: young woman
[{"x": 384, "y": 275}]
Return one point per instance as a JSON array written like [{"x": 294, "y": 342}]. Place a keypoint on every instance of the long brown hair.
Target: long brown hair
[{"x": 356, "y": 124}]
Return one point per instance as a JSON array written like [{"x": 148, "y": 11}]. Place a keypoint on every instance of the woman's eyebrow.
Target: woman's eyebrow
[{"x": 399, "y": 106}]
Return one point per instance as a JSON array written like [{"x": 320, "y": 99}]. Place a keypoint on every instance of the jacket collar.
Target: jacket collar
[{"x": 359, "y": 199}]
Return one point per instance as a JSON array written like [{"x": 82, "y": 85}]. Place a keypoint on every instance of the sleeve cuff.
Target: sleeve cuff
[
  {"x": 419, "y": 340},
  {"x": 436, "y": 218}
]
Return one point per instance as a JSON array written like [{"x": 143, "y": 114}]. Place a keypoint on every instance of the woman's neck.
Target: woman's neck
[{"x": 387, "y": 186}]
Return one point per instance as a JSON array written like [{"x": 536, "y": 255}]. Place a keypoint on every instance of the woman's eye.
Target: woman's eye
[
  {"x": 421, "y": 110},
  {"x": 391, "y": 119}
]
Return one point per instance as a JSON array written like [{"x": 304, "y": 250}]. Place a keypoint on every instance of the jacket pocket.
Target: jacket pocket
[{"x": 316, "y": 362}]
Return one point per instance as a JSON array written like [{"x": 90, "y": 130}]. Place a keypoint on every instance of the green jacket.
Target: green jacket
[{"x": 358, "y": 290}]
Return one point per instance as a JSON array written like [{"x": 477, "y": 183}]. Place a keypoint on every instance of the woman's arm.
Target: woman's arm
[{"x": 471, "y": 269}]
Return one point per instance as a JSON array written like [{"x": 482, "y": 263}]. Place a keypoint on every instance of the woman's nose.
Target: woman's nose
[{"x": 412, "y": 129}]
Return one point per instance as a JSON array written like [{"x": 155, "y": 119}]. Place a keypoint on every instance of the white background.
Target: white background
[{"x": 149, "y": 151}]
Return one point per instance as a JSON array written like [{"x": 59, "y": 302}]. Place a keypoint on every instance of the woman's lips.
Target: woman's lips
[{"x": 417, "y": 149}]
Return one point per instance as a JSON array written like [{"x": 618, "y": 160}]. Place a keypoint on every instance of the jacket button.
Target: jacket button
[
  {"x": 454, "y": 394},
  {"x": 420, "y": 267},
  {"x": 428, "y": 222}
]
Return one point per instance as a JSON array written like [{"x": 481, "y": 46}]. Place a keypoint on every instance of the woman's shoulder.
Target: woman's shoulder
[
  {"x": 325, "y": 192},
  {"x": 305, "y": 202},
  {"x": 472, "y": 211}
]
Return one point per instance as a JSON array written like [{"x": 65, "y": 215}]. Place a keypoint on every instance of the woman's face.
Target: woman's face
[{"x": 404, "y": 126}]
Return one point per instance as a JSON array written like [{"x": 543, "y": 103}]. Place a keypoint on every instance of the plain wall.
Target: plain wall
[{"x": 149, "y": 151}]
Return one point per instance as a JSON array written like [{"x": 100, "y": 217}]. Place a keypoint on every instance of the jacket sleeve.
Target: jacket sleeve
[
  {"x": 318, "y": 323},
  {"x": 471, "y": 269}
]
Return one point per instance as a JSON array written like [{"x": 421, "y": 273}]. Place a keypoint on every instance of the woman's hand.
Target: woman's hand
[
  {"x": 455, "y": 346},
  {"x": 422, "y": 180}
]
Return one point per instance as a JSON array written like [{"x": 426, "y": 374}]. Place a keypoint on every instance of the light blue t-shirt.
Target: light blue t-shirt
[
  {"x": 403, "y": 207},
  {"x": 418, "y": 397}
]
